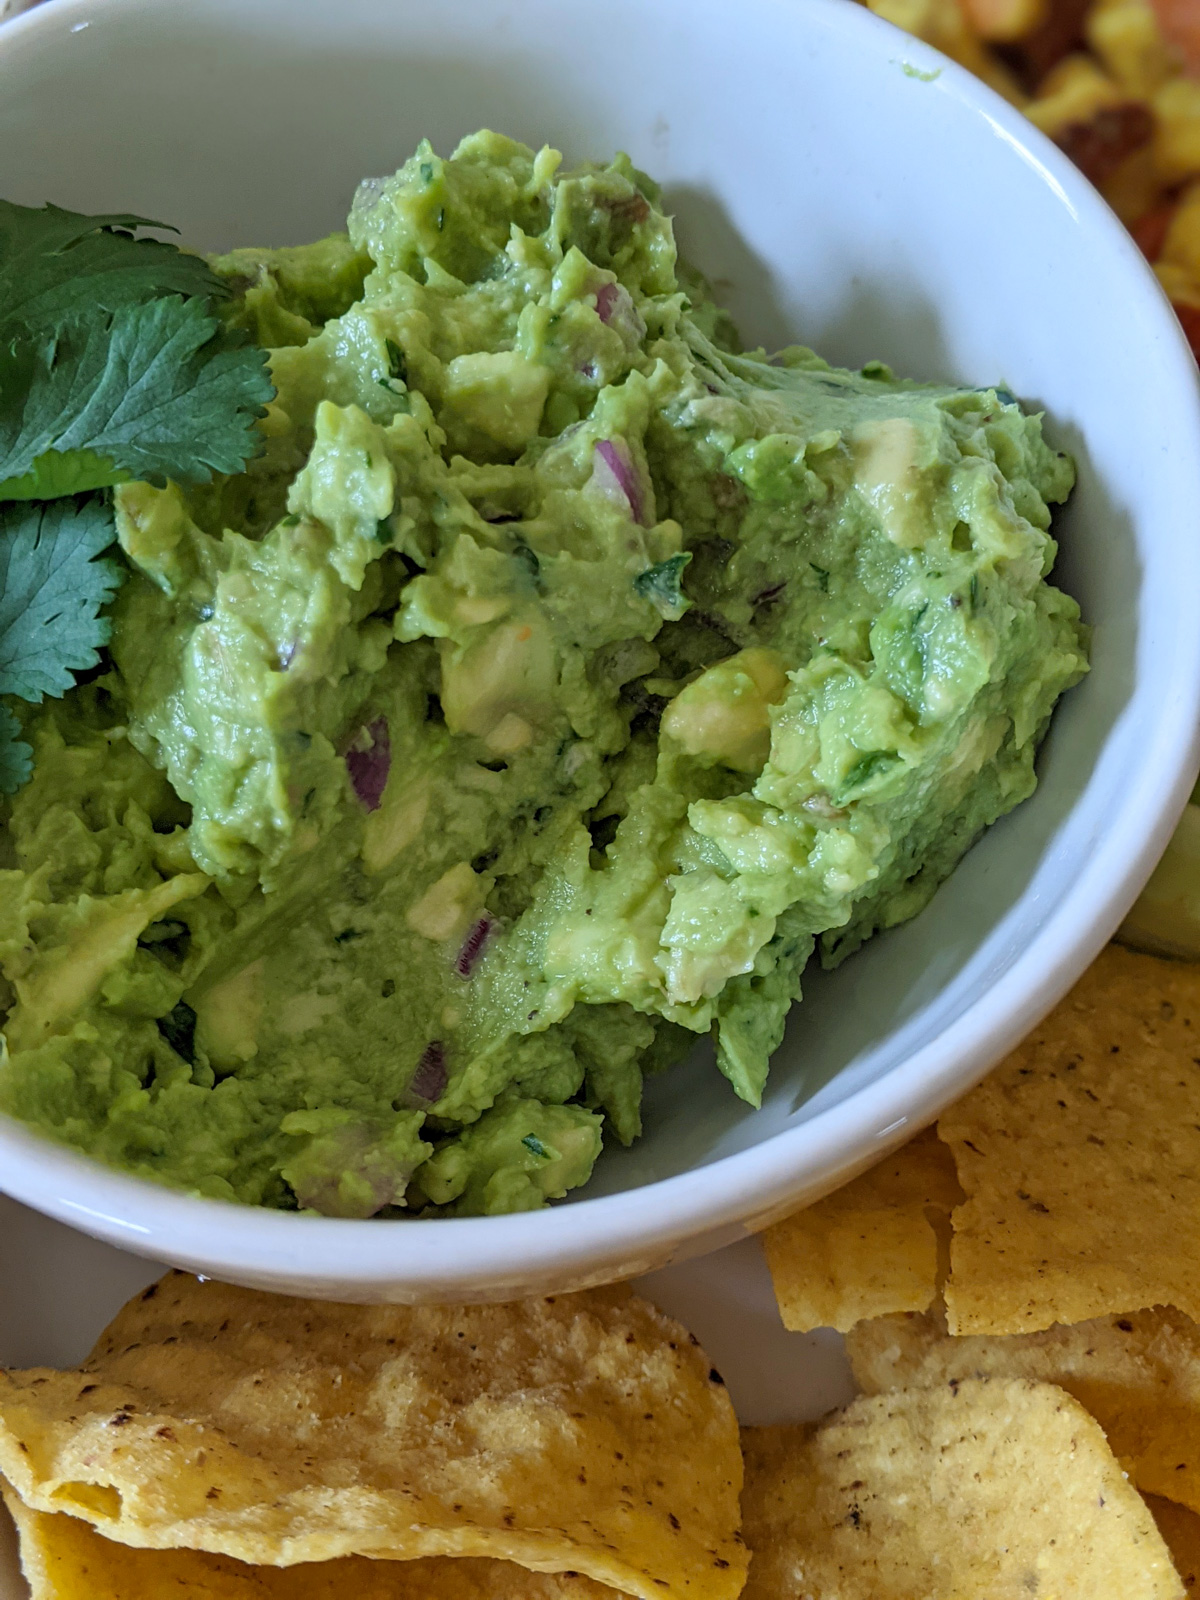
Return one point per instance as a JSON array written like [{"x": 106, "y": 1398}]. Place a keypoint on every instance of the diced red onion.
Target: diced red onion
[
  {"x": 767, "y": 596},
  {"x": 429, "y": 1080},
  {"x": 822, "y": 806},
  {"x": 355, "y": 1149},
  {"x": 368, "y": 761},
  {"x": 607, "y": 296},
  {"x": 472, "y": 949},
  {"x": 613, "y": 469},
  {"x": 635, "y": 206},
  {"x": 615, "y": 308}
]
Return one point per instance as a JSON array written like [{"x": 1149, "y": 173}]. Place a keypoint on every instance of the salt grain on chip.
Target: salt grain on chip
[
  {"x": 1138, "y": 1375},
  {"x": 64, "y": 1558},
  {"x": 972, "y": 1491},
  {"x": 581, "y": 1433},
  {"x": 870, "y": 1248},
  {"x": 1080, "y": 1157}
]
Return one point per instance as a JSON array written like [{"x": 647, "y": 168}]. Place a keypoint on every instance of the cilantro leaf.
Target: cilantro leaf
[
  {"x": 16, "y": 758},
  {"x": 112, "y": 366},
  {"x": 58, "y": 473},
  {"x": 157, "y": 392},
  {"x": 51, "y": 591},
  {"x": 55, "y": 264},
  {"x": 660, "y": 585}
]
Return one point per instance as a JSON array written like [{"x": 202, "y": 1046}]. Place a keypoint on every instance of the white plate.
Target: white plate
[{"x": 60, "y": 1288}]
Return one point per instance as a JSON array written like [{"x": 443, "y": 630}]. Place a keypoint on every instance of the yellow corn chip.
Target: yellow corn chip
[
  {"x": 1080, "y": 1157},
  {"x": 1180, "y": 1529},
  {"x": 580, "y": 1433},
  {"x": 871, "y": 1247},
  {"x": 972, "y": 1491},
  {"x": 1138, "y": 1375},
  {"x": 64, "y": 1558}
]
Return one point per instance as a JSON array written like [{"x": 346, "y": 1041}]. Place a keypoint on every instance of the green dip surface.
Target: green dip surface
[{"x": 554, "y": 680}]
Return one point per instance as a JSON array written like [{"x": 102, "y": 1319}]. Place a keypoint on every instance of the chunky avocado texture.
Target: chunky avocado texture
[{"x": 554, "y": 680}]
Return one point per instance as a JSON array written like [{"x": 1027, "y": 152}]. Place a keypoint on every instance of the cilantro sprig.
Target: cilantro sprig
[
  {"x": 142, "y": 395},
  {"x": 16, "y": 758},
  {"x": 55, "y": 263},
  {"x": 114, "y": 364},
  {"x": 52, "y": 590},
  {"x": 662, "y": 585}
]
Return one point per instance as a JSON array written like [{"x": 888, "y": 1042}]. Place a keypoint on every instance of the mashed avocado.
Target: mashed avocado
[{"x": 551, "y": 683}]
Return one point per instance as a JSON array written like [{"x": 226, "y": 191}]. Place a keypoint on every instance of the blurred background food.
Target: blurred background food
[{"x": 1116, "y": 85}]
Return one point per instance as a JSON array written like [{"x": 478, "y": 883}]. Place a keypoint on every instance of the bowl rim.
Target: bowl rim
[{"x": 603, "y": 1237}]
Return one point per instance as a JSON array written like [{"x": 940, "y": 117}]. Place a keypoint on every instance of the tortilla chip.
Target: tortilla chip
[
  {"x": 1080, "y": 1157},
  {"x": 973, "y": 1491},
  {"x": 1180, "y": 1529},
  {"x": 871, "y": 1247},
  {"x": 64, "y": 1558},
  {"x": 1138, "y": 1375},
  {"x": 578, "y": 1432}
]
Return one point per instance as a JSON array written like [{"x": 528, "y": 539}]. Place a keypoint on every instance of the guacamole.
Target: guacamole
[{"x": 551, "y": 684}]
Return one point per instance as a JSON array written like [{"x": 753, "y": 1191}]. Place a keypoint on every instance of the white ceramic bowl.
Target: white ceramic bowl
[{"x": 849, "y": 188}]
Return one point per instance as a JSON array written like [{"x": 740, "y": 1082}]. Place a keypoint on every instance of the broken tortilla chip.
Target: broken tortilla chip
[
  {"x": 871, "y": 1247},
  {"x": 1080, "y": 1158},
  {"x": 1138, "y": 1375},
  {"x": 1180, "y": 1529},
  {"x": 64, "y": 1558},
  {"x": 972, "y": 1491},
  {"x": 581, "y": 1433}
]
